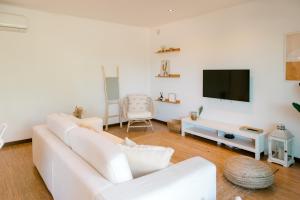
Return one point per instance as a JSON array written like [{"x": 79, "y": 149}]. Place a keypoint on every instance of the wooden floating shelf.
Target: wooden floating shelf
[
  {"x": 167, "y": 101},
  {"x": 168, "y": 50},
  {"x": 169, "y": 76}
]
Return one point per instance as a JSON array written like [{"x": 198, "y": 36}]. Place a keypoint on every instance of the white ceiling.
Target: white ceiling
[{"x": 146, "y": 13}]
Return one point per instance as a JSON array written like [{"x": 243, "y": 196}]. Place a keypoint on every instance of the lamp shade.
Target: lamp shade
[
  {"x": 281, "y": 146},
  {"x": 282, "y": 134}
]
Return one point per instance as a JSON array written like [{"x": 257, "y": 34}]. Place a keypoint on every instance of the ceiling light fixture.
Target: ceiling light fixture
[{"x": 171, "y": 10}]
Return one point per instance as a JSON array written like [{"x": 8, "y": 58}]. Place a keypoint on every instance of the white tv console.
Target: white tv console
[{"x": 214, "y": 130}]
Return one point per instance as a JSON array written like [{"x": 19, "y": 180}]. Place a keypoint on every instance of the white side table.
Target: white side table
[{"x": 215, "y": 130}]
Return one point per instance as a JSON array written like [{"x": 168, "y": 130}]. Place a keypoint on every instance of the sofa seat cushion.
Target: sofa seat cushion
[
  {"x": 101, "y": 153},
  {"x": 192, "y": 179},
  {"x": 112, "y": 138},
  {"x": 145, "y": 159},
  {"x": 139, "y": 115}
]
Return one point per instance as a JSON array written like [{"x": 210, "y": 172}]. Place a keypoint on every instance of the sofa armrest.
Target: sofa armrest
[
  {"x": 192, "y": 179},
  {"x": 94, "y": 123}
]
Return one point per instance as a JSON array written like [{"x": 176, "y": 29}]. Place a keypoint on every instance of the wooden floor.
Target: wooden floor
[{"x": 19, "y": 180}]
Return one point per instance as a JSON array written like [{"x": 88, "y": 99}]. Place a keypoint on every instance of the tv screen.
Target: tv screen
[{"x": 226, "y": 84}]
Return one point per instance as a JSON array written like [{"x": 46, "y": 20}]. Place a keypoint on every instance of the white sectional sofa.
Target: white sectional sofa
[{"x": 69, "y": 175}]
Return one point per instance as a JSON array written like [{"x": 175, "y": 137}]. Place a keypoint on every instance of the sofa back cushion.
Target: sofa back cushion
[
  {"x": 70, "y": 117},
  {"x": 60, "y": 126},
  {"x": 101, "y": 153}
]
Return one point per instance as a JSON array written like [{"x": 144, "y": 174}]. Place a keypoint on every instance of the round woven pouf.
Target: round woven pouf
[{"x": 248, "y": 172}]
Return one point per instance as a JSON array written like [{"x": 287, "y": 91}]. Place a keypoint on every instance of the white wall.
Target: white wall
[
  {"x": 56, "y": 65},
  {"x": 246, "y": 36}
]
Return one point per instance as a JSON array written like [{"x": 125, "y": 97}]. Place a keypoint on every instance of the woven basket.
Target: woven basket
[
  {"x": 174, "y": 125},
  {"x": 248, "y": 172}
]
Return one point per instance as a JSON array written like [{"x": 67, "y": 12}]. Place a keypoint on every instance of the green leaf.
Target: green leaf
[{"x": 296, "y": 106}]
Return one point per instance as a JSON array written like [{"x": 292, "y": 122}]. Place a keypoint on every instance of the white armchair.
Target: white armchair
[
  {"x": 138, "y": 108},
  {"x": 3, "y": 128}
]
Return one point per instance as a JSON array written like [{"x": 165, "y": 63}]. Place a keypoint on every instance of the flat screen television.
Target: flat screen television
[{"x": 227, "y": 84}]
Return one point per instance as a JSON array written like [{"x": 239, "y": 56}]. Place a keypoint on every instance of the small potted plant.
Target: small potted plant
[
  {"x": 200, "y": 110},
  {"x": 78, "y": 112},
  {"x": 296, "y": 106}
]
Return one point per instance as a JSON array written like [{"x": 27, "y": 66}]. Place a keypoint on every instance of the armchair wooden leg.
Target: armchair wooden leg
[
  {"x": 151, "y": 126},
  {"x": 148, "y": 124},
  {"x": 128, "y": 126}
]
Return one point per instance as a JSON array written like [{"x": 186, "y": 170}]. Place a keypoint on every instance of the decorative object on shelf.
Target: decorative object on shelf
[
  {"x": 161, "y": 98},
  {"x": 172, "y": 97},
  {"x": 162, "y": 65},
  {"x": 167, "y": 101},
  {"x": 174, "y": 125},
  {"x": 248, "y": 172},
  {"x": 296, "y": 106},
  {"x": 251, "y": 129},
  {"x": 200, "y": 110},
  {"x": 78, "y": 112},
  {"x": 169, "y": 76},
  {"x": 165, "y": 68},
  {"x": 163, "y": 49},
  {"x": 3, "y": 128},
  {"x": 229, "y": 136},
  {"x": 281, "y": 146},
  {"x": 194, "y": 116},
  {"x": 292, "y": 56}
]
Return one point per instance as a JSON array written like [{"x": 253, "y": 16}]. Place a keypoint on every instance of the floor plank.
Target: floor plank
[{"x": 19, "y": 179}]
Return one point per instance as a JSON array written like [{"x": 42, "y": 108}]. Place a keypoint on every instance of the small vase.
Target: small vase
[
  {"x": 200, "y": 110},
  {"x": 161, "y": 98},
  {"x": 194, "y": 116}
]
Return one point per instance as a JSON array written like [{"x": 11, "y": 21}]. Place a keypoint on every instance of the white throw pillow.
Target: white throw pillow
[
  {"x": 101, "y": 153},
  {"x": 145, "y": 159},
  {"x": 138, "y": 103}
]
